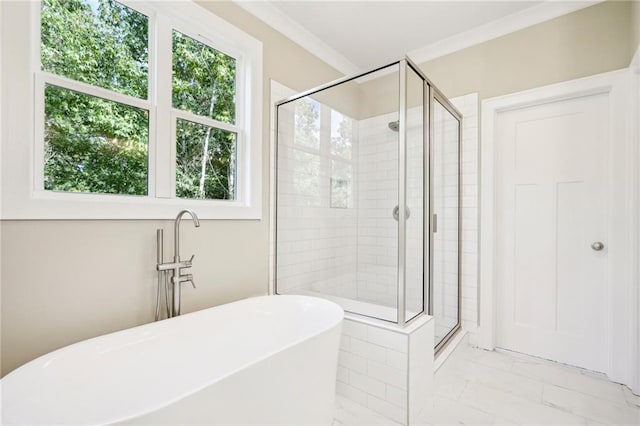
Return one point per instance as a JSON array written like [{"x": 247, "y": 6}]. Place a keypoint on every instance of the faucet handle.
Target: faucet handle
[
  {"x": 188, "y": 279},
  {"x": 188, "y": 263}
]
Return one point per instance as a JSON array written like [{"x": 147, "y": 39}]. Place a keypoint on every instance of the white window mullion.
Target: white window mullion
[
  {"x": 205, "y": 121},
  {"x": 243, "y": 150},
  {"x": 96, "y": 91},
  {"x": 165, "y": 148},
  {"x": 152, "y": 147},
  {"x": 38, "y": 146}
]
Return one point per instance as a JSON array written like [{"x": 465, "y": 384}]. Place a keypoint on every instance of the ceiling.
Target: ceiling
[{"x": 359, "y": 35}]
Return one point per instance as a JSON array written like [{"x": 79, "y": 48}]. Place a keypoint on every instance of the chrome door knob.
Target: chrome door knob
[{"x": 597, "y": 246}]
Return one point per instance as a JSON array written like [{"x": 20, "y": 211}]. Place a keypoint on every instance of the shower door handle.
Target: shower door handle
[
  {"x": 434, "y": 223},
  {"x": 396, "y": 213}
]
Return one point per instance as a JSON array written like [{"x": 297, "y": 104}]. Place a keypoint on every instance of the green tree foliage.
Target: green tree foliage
[
  {"x": 219, "y": 157},
  {"x": 204, "y": 84},
  {"x": 105, "y": 47},
  {"x": 95, "y": 145}
]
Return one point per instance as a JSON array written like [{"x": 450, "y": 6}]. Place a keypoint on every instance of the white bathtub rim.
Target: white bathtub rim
[{"x": 162, "y": 403}]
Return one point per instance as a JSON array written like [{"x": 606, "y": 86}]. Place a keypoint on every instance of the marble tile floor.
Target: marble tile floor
[{"x": 478, "y": 387}]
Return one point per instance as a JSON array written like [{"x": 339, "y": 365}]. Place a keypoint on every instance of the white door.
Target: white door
[{"x": 551, "y": 206}]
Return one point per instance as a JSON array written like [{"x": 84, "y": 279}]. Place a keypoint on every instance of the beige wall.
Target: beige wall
[
  {"x": 65, "y": 281},
  {"x": 590, "y": 41},
  {"x": 587, "y": 42},
  {"x": 635, "y": 26}
]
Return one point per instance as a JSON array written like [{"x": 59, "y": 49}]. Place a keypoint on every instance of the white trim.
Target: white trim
[
  {"x": 273, "y": 17},
  {"x": 635, "y": 61},
  {"x": 620, "y": 186},
  {"x": 2, "y": 127},
  {"x": 162, "y": 97},
  {"x": 278, "y": 91},
  {"x": 23, "y": 80},
  {"x": 91, "y": 90},
  {"x": 634, "y": 129},
  {"x": 205, "y": 121}
]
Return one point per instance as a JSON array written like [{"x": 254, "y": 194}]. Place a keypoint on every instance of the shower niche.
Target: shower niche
[{"x": 367, "y": 207}]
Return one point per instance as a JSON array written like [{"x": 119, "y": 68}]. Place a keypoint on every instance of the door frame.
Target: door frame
[{"x": 622, "y": 187}]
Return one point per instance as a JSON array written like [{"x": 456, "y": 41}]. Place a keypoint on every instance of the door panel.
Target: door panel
[{"x": 551, "y": 205}]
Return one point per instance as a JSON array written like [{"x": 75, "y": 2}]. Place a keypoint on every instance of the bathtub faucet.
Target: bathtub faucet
[{"x": 177, "y": 265}]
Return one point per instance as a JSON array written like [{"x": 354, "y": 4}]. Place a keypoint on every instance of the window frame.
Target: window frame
[{"x": 27, "y": 198}]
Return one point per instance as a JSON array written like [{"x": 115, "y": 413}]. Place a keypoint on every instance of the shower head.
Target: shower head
[{"x": 394, "y": 125}]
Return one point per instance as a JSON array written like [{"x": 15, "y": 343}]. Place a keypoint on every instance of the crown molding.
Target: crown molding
[
  {"x": 511, "y": 23},
  {"x": 273, "y": 17}
]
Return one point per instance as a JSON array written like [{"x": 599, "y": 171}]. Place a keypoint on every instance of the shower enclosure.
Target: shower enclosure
[{"x": 368, "y": 197}]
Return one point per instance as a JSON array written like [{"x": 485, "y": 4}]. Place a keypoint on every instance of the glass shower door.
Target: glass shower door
[{"x": 445, "y": 200}]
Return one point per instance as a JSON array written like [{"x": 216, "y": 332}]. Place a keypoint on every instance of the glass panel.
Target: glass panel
[
  {"x": 307, "y": 123},
  {"x": 204, "y": 79},
  {"x": 337, "y": 185},
  {"x": 414, "y": 288},
  {"x": 378, "y": 183},
  {"x": 306, "y": 172},
  {"x": 205, "y": 162},
  {"x": 341, "y": 185},
  {"x": 102, "y": 43},
  {"x": 445, "y": 206},
  {"x": 94, "y": 145},
  {"x": 342, "y": 128}
]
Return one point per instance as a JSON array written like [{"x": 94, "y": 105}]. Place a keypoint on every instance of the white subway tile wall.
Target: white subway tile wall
[
  {"x": 378, "y": 183},
  {"x": 468, "y": 106},
  {"x": 377, "y": 267},
  {"x": 317, "y": 243},
  {"x": 388, "y": 371},
  {"x": 378, "y": 387},
  {"x": 421, "y": 370}
]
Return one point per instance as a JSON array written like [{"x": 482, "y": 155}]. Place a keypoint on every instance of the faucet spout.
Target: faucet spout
[{"x": 176, "y": 231}]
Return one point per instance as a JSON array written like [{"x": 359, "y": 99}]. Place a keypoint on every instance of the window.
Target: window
[
  {"x": 140, "y": 108},
  {"x": 204, "y": 88},
  {"x": 94, "y": 143}
]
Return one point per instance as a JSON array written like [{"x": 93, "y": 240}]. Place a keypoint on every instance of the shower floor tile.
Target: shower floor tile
[{"x": 478, "y": 387}]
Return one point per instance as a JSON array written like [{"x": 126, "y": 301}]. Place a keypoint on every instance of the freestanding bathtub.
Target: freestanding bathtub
[{"x": 265, "y": 360}]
